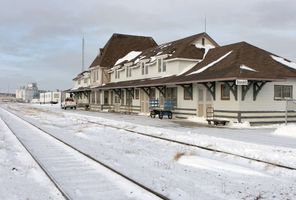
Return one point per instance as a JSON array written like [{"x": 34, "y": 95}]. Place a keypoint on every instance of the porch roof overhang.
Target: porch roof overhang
[
  {"x": 80, "y": 89},
  {"x": 148, "y": 82},
  {"x": 171, "y": 80}
]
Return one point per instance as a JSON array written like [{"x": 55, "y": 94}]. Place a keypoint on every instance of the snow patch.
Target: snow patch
[
  {"x": 239, "y": 125},
  {"x": 244, "y": 67},
  {"x": 200, "y": 120},
  {"x": 284, "y": 62},
  {"x": 128, "y": 57},
  {"x": 187, "y": 68},
  {"x": 286, "y": 130},
  {"x": 216, "y": 165},
  {"x": 210, "y": 65},
  {"x": 165, "y": 45},
  {"x": 152, "y": 59},
  {"x": 207, "y": 47}
]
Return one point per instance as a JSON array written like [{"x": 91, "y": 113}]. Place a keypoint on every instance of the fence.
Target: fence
[{"x": 290, "y": 107}]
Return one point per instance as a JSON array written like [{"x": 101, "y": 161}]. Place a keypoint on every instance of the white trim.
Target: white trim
[
  {"x": 183, "y": 59},
  {"x": 135, "y": 66},
  {"x": 121, "y": 69}
]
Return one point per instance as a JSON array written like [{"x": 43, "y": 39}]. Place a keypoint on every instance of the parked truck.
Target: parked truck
[{"x": 68, "y": 103}]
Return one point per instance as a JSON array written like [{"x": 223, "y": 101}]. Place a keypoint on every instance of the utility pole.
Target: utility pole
[
  {"x": 82, "y": 64},
  {"x": 205, "y": 23}
]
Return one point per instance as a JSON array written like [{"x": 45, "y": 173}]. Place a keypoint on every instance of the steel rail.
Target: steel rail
[
  {"x": 47, "y": 173},
  {"x": 86, "y": 155},
  {"x": 195, "y": 145}
]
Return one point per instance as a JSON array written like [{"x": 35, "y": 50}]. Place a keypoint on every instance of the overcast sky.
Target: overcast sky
[{"x": 40, "y": 41}]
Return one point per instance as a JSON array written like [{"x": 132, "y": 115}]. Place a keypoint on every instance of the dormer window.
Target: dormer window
[
  {"x": 146, "y": 69},
  {"x": 143, "y": 68},
  {"x": 161, "y": 64},
  {"x": 128, "y": 72},
  {"x": 117, "y": 74}
]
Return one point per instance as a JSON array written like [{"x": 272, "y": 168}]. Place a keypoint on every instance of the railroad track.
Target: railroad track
[
  {"x": 76, "y": 175},
  {"x": 194, "y": 145}
]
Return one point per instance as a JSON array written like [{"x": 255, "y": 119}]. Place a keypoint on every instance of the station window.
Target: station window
[
  {"x": 143, "y": 68},
  {"x": 225, "y": 92},
  {"x": 283, "y": 92},
  {"x": 137, "y": 94},
  {"x": 159, "y": 65},
  {"x": 187, "y": 92},
  {"x": 203, "y": 41},
  {"x": 117, "y": 74}
]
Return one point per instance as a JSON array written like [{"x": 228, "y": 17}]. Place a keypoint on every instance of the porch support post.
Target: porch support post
[
  {"x": 187, "y": 88},
  {"x": 146, "y": 90},
  {"x": 233, "y": 88},
  {"x": 85, "y": 93},
  {"x": 88, "y": 94},
  {"x": 257, "y": 86},
  {"x": 161, "y": 89},
  {"x": 239, "y": 116},
  {"x": 131, "y": 91},
  {"x": 118, "y": 92},
  {"x": 211, "y": 87},
  {"x": 245, "y": 89}
]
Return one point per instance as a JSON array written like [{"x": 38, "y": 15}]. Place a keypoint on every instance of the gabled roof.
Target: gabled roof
[
  {"x": 235, "y": 61},
  {"x": 182, "y": 48},
  {"x": 118, "y": 46},
  {"x": 80, "y": 75},
  {"x": 238, "y": 61}
]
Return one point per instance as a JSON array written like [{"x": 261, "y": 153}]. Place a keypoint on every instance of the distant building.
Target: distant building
[
  {"x": 50, "y": 97},
  {"x": 27, "y": 93},
  {"x": 7, "y": 97}
]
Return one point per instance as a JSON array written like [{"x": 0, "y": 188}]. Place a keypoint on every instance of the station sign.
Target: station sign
[{"x": 241, "y": 82}]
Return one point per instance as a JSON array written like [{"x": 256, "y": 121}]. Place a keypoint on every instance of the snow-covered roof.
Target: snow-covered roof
[
  {"x": 118, "y": 46},
  {"x": 284, "y": 61},
  {"x": 128, "y": 57},
  {"x": 244, "y": 67},
  {"x": 239, "y": 61},
  {"x": 182, "y": 48},
  {"x": 211, "y": 64}
]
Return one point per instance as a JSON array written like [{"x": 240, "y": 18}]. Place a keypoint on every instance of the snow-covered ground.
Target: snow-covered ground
[
  {"x": 174, "y": 170},
  {"x": 20, "y": 176}
]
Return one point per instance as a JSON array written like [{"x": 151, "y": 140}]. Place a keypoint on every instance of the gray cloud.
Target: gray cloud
[{"x": 41, "y": 40}]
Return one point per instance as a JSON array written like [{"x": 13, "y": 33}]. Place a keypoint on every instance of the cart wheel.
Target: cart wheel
[
  {"x": 170, "y": 115},
  {"x": 160, "y": 115},
  {"x": 152, "y": 114}
]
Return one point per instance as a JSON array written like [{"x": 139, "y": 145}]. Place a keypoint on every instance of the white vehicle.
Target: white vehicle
[{"x": 68, "y": 103}]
